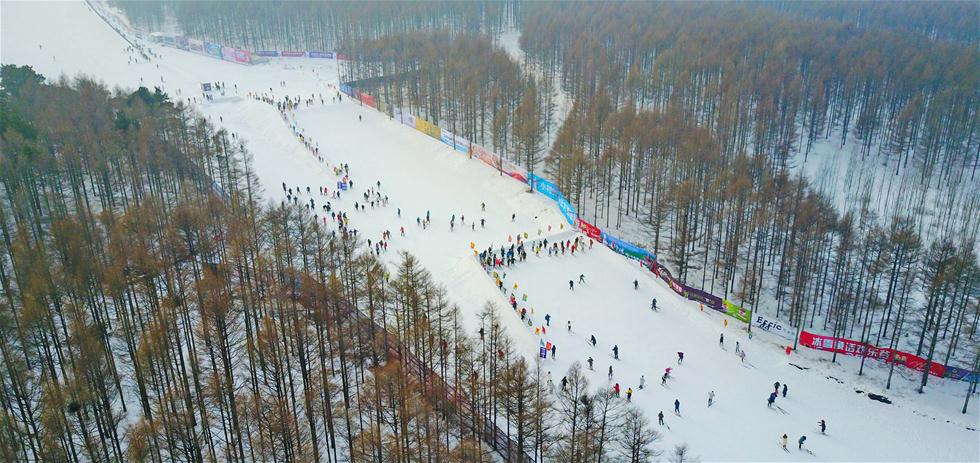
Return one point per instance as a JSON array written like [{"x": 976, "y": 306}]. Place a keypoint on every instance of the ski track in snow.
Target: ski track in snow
[{"x": 420, "y": 174}]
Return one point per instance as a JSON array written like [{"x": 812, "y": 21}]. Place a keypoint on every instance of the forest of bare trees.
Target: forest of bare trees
[{"x": 155, "y": 308}]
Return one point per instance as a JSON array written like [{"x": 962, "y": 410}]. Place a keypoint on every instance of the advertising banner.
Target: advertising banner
[
  {"x": 408, "y": 118},
  {"x": 448, "y": 138},
  {"x": 347, "y": 90},
  {"x": 627, "y": 248},
  {"x": 590, "y": 230},
  {"x": 773, "y": 326},
  {"x": 567, "y": 210},
  {"x": 236, "y": 55},
  {"x": 270, "y": 53},
  {"x": 341, "y": 56},
  {"x": 462, "y": 144},
  {"x": 321, "y": 54},
  {"x": 737, "y": 312},
  {"x": 486, "y": 156},
  {"x": 212, "y": 49},
  {"x": 367, "y": 99},
  {"x": 182, "y": 42},
  {"x": 195, "y": 45},
  {"x": 427, "y": 128},
  {"x": 705, "y": 298},
  {"x": 857, "y": 348},
  {"x": 515, "y": 171},
  {"x": 293, "y": 54},
  {"x": 545, "y": 187}
]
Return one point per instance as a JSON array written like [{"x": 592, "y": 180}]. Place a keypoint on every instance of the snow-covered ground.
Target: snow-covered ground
[{"x": 419, "y": 174}]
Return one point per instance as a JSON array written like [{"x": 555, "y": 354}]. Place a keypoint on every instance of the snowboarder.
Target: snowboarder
[
  {"x": 677, "y": 406},
  {"x": 593, "y": 340},
  {"x": 590, "y": 363},
  {"x": 823, "y": 427},
  {"x": 636, "y": 285},
  {"x": 772, "y": 398},
  {"x": 711, "y": 398},
  {"x": 680, "y": 358},
  {"x": 785, "y": 388},
  {"x": 801, "y": 441},
  {"x": 616, "y": 352},
  {"x": 643, "y": 381},
  {"x": 783, "y": 441},
  {"x": 629, "y": 394},
  {"x": 660, "y": 416}
]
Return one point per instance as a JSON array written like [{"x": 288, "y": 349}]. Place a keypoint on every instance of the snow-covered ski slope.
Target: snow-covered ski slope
[{"x": 420, "y": 174}]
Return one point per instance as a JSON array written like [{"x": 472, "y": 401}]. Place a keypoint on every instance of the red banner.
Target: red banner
[
  {"x": 857, "y": 348},
  {"x": 590, "y": 230},
  {"x": 366, "y": 99}
]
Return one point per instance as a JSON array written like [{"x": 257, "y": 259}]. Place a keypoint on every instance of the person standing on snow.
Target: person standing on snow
[
  {"x": 629, "y": 394},
  {"x": 823, "y": 427},
  {"x": 593, "y": 340},
  {"x": 590, "y": 363},
  {"x": 610, "y": 372},
  {"x": 711, "y": 398},
  {"x": 616, "y": 352},
  {"x": 721, "y": 340},
  {"x": 564, "y": 382},
  {"x": 636, "y": 285},
  {"x": 643, "y": 381},
  {"x": 554, "y": 347},
  {"x": 571, "y": 285},
  {"x": 616, "y": 389},
  {"x": 785, "y": 388},
  {"x": 783, "y": 441},
  {"x": 660, "y": 416},
  {"x": 677, "y": 406},
  {"x": 547, "y": 319},
  {"x": 772, "y": 398},
  {"x": 801, "y": 441},
  {"x": 680, "y": 358},
  {"x": 737, "y": 347},
  {"x": 569, "y": 326},
  {"x": 653, "y": 305}
]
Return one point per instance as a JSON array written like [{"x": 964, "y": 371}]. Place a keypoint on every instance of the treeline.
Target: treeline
[
  {"x": 315, "y": 26},
  {"x": 951, "y": 20},
  {"x": 155, "y": 309}
]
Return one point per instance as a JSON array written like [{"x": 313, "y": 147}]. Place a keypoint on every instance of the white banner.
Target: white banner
[{"x": 773, "y": 326}]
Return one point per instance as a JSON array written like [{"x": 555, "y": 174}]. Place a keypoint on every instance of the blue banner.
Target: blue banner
[
  {"x": 347, "y": 89},
  {"x": 447, "y": 137},
  {"x": 320, "y": 54},
  {"x": 545, "y": 187},
  {"x": 212, "y": 49},
  {"x": 267, "y": 53},
  {"x": 567, "y": 210},
  {"x": 626, "y": 248}
]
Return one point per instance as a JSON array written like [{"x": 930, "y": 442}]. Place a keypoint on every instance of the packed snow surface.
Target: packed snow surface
[{"x": 421, "y": 175}]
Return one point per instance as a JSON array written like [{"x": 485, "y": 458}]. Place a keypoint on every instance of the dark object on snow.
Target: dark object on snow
[{"x": 879, "y": 398}]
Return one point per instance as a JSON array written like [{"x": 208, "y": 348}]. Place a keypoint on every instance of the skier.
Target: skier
[
  {"x": 593, "y": 340},
  {"x": 680, "y": 358},
  {"x": 581, "y": 278},
  {"x": 660, "y": 416},
  {"x": 547, "y": 319},
  {"x": 801, "y": 441},
  {"x": 653, "y": 305},
  {"x": 564, "y": 382},
  {"x": 636, "y": 285},
  {"x": 663, "y": 380},
  {"x": 629, "y": 394},
  {"x": 677, "y": 406},
  {"x": 711, "y": 398},
  {"x": 616, "y": 389},
  {"x": 554, "y": 347},
  {"x": 721, "y": 340},
  {"x": 737, "y": 347},
  {"x": 569, "y": 326},
  {"x": 783, "y": 441},
  {"x": 571, "y": 285},
  {"x": 772, "y": 398},
  {"x": 742, "y": 354},
  {"x": 616, "y": 352},
  {"x": 512, "y": 217},
  {"x": 776, "y": 384},
  {"x": 643, "y": 381},
  {"x": 590, "y": 363},
  {"x": 785, "y": 388},
  {"x": 610, "y": 372},
  {"x": 823, "y": 427},
  {"x": 483, "y": 206}
]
